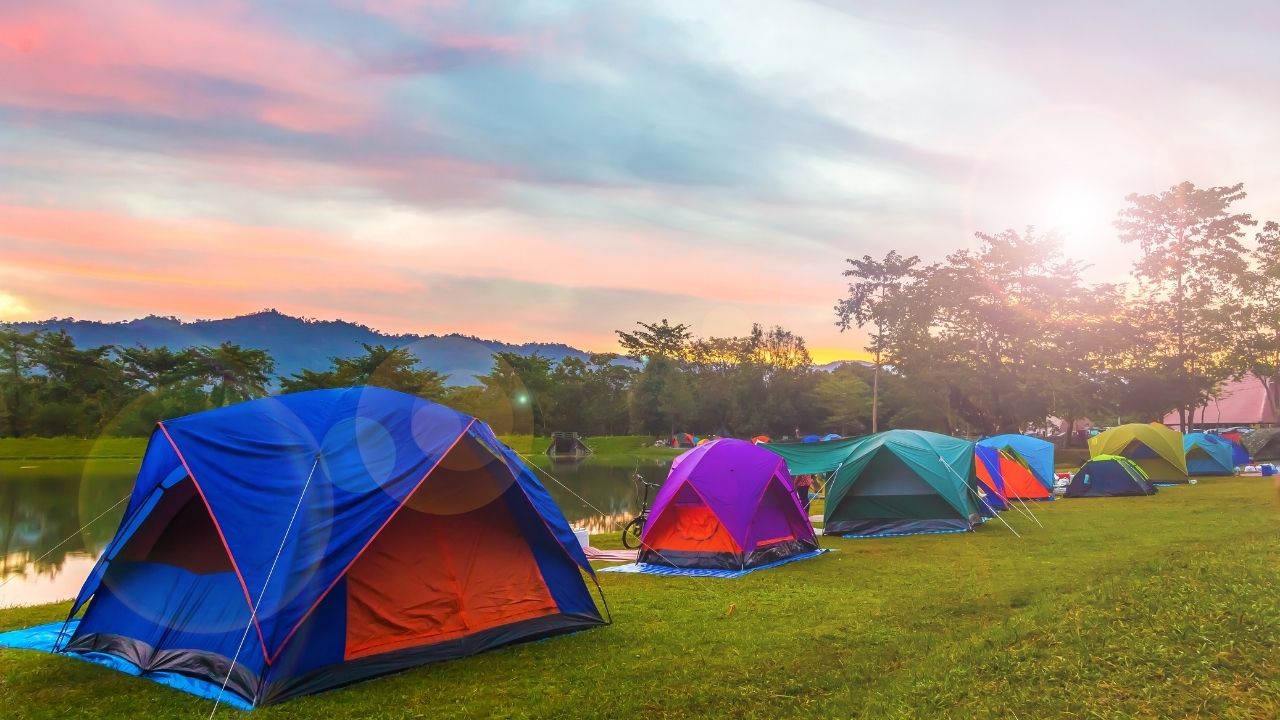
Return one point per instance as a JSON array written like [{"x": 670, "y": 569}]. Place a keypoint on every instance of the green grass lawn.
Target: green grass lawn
[{"x": 1160, "y": 607}]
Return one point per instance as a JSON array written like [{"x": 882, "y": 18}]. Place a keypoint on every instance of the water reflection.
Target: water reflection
[
  {"x": 44, "y": 503},
  {"x": 608, "y": 491}
]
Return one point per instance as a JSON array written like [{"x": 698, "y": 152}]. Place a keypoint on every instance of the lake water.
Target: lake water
[{"x": 45, "y": 556}]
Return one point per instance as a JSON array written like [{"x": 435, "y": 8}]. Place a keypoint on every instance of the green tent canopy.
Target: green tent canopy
[
  {"x": 897, "y": 482},
  {"x": 1154, "y": 448}
]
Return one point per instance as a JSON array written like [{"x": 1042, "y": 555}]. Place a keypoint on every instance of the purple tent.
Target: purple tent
[{"x": 728, "y": 505}]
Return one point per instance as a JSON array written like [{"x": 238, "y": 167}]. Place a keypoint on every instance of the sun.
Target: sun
[{"x": 1076, "y": 210}]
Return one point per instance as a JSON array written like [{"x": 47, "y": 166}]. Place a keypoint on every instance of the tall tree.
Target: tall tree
[
  {"x": 395, "y": 368},
  {"x": 872, "y": 299},
  {"x": 520, "y": 385},
  {"x": 986, "y": 329},
  {"x": 81, "y": 390},
  {"x": 17, "y": 358},
  {"x": 1256, "y": 348},
  {"x": 1192, "y": 256},
  {"x": 660, "y": 339},
  {"x": 235, "y": 373}
]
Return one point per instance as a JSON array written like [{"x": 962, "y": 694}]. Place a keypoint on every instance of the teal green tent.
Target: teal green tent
[{"x": 899, "y": 482}]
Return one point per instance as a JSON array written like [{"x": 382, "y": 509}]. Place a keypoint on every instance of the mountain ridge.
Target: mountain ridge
[{"x": 296, "y": 343}]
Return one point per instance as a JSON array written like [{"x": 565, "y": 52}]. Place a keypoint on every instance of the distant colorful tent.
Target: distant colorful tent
[
  {"x": 683, "y": 440},
  {"x": 811, "y": 439},
  {"x": 1153, "y": 447},
  {"x": 1263, "y": 444},
  {"x": 1239, "y": 456},
  {"x": 1019, "y": 482},
  {"x": 293, "y": 544},
  {"x": 987, "y": 468},
  {"x": 759, "y": 439},
  {"x": 1109, "y": 476},
  {"x": 1208, "y": 454},
  {"x": 727, "y": 505},
  {"x": 703, "y": 441},
  {"x": 830, "y": 436},
  {"x": 1016, "y": 480},
  {"x": 899, "y": 482},
  {"x": 1032, "y": 452}
]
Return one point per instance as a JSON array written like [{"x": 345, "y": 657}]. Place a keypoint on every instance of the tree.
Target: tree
[
  {"x": 154, "y": 368},
  {"x": 872, "y": 300},
  {"x": 17, "y": 359},
  {"x": 605, "y": 407},
  {"x": 235, "y": 373},
  {"x": 656, "y": 340},
  {"x": 986, "y": 329},
  {"x": 81, "y": 389},
  {"x": 1192, "y": 257},
  {"x": 845, "y": 399},
  {"x": 394, "y": 368},
  {"x": 1256, "y": 349},
  {"x": 675, "y": 399},
  {"x": 518, "y": 386}
]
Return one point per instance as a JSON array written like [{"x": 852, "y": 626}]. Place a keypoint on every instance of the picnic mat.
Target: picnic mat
[
  {"x": 611, "y": 555},
  {"x": 650, "y": 569}
]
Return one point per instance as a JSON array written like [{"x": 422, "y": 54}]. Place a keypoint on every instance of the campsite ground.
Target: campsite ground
[{"x": 1116, "y": 608}]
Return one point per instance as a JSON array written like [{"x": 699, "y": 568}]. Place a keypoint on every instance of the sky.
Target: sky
[{"x": 554, "y": 170}]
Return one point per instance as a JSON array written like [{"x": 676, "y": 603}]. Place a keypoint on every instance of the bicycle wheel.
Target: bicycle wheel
[{"x": 632, "y": 532}]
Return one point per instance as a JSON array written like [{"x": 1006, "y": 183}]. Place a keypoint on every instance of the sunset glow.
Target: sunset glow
[{"x": 526, "y": 173}]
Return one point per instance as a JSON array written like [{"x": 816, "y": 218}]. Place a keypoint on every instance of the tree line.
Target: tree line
[
  {"x": 751, "y": 384},
  {"x": 994, "y": 338},
  {"x": 1007, "y": 334}
]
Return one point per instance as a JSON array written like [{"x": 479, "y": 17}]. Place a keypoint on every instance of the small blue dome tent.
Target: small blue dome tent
[
  {"x": 1109, "y": 476},
  {"x": 1208, "y": 454},
  {"x": 288, "y": 545}
]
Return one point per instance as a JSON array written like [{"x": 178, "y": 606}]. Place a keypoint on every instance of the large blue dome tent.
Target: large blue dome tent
[{"x": 288, "y": 545}]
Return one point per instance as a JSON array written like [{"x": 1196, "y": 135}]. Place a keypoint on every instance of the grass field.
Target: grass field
[{"x": 1160, "y": 607}]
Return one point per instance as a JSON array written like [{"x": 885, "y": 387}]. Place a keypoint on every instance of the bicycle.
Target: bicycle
[{"x": 633, "y": 530}]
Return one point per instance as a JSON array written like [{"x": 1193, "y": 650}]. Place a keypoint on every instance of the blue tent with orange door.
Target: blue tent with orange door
[
  {"x": 1036, "y": 454},
  {"x": 288, "y": 545}
]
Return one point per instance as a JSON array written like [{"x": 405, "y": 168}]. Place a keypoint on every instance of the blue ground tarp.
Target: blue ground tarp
[{"x": 44, "y": 637}]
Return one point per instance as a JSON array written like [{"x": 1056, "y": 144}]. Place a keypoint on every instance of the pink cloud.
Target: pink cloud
[
  {"x": 144, "y": 57},
  {"x": 63, "y": 261}
]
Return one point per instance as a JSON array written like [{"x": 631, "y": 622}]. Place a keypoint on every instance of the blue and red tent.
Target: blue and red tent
[{"x": 288, "y": 545}]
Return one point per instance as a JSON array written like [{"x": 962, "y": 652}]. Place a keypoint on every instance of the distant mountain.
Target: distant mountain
[
  {"x": 828, "y": 367},
  {"x": 298, "y": 343}
]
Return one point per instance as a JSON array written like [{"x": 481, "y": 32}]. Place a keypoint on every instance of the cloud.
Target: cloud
[
  {"x": 153, "y": 59},
  {"x": 561, "y": 167}
]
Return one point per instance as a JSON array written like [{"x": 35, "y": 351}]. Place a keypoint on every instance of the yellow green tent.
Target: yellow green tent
[{"x": 1154, "y": 448}]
